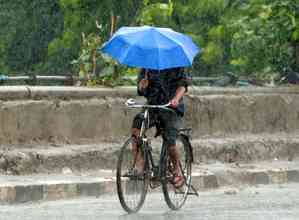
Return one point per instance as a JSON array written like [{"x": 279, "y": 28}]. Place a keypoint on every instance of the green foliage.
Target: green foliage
[
  {"x": 212, "y": 53},
  {"x": 156, "y": 14},
  {"x": 217, "y": 33},
  {"x": 88, "y": 57},
  {"x": 27, "y": 27},
  {"x": 256, "y": 37},
  {"x": 80, "y": 17},
  {"x": 265, "y": 36},
  {"x": 95, "y": 68}
]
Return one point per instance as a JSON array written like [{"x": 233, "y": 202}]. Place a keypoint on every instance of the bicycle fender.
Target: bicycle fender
[{"x": 186, "y": 138}]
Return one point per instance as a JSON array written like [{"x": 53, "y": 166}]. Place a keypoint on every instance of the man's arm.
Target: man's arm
[
  {"x": 180, "y": 92},
  {"x": 142, "y": 82},
  {"x": 183, "y": 81}
]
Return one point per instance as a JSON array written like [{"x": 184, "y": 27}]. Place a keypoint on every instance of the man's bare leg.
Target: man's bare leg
[
  {"x": 175, "y": 157},
  {"x": 138, "y": 158}
]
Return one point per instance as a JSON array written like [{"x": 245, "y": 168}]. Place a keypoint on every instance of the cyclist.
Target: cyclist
[{"x": 159, "y": 88}]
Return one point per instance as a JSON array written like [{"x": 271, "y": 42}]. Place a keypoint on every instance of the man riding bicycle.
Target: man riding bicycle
[{"x": 159, "y": 88}]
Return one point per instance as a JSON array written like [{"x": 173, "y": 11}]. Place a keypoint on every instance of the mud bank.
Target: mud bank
[{"x": 33, "y": 115}]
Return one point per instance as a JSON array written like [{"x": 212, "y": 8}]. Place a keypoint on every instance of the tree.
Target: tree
[
  {"x": 246, "y": 36},
  {"x": 266, "y": 36},
  {"x": 29, "y": 27},
  {"x": 80, "y": 17}
]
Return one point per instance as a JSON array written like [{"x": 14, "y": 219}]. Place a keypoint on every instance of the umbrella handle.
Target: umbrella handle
[{"x": 146, "y": 74}]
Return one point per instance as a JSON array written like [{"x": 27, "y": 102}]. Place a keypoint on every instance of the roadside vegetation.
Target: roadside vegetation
[{"x": 256, "y": 39}]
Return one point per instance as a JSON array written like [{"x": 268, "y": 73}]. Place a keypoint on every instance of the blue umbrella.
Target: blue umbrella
[{"x": 151, "y": 48}]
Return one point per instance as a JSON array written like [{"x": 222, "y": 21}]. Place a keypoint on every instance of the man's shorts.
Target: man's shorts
[{"x": 169, "y": 121}]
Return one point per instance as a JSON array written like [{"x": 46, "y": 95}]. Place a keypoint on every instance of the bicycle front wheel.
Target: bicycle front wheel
[
  {"x": 175, "y": 197},
  {"x": 131, "y": 185}
]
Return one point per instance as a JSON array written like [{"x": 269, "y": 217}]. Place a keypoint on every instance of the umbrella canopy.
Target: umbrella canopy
[{"x": 151, "y": 48}]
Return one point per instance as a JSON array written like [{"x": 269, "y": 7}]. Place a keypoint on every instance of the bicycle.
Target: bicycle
[{"x": 132, "y": 186}]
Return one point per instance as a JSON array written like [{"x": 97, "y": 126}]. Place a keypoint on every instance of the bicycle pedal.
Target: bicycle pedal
[
  {"x": 155, "y": 184},
  {"x": 132, "y": 174},
  {"x": 155, "y": 181},
  {"x": 179, "y": 191},
  {"x": 192, "y": 194}
]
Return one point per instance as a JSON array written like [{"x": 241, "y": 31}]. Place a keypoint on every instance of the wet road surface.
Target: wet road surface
[{"x": 272, "y": 202}]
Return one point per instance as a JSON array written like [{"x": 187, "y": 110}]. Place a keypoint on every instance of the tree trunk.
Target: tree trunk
[
  {"x": 113, "y": 24},
  {"x": 94, "y": 62},
  {"x": 297, "y": 55},
  {"x": 115, "y": 74}
]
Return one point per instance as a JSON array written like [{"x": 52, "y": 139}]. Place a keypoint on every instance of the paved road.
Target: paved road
[{"x": 270, "y": 202}]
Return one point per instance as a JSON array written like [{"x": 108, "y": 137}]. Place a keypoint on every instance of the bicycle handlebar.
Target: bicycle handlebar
[{"x": 131, "y": 103}]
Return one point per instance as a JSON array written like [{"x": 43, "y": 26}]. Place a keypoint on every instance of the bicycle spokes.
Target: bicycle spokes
[
  {"x": 131, "y": 183},
  {"x": 175, "y": 196}
]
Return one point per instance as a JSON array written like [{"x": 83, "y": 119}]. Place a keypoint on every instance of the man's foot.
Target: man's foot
[
  {"x": 139, "y": 165},
  {"x": 138, "y": 171},
  {"x": 178, "y": 181}
]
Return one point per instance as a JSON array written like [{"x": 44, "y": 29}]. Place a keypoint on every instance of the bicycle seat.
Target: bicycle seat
[{"x": 186, "y": 131}]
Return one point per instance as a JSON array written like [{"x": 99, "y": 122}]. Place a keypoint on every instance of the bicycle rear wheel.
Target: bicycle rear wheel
[
  {"x": 176, "y": 197},
  {"x": 131, "y": 186}
]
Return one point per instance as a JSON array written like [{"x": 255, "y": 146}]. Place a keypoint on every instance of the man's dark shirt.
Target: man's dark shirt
[{"x": 163, "y": 85}]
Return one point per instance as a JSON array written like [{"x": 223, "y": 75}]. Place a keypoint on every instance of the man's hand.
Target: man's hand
[
  {"x": 174, "y": 103},
  {"x": 143, "y": 84}
]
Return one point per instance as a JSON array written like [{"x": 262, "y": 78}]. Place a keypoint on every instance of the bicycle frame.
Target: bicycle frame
[
  {"x": 153, "y": 175},
  {"x": 147, "y": 148},
  {"x": 152, "y": 167},
  {"x": 145, "y": 123},
  {"x": 142, "y": 135}
]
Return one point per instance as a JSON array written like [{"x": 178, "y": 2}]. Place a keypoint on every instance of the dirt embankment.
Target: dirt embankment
[
  {"x": 36, "y": 115},
  {"x": 48, "y": 129}
]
